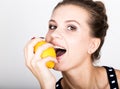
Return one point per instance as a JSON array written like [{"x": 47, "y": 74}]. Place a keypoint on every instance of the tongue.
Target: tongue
[{"x": 60, "y": 52}]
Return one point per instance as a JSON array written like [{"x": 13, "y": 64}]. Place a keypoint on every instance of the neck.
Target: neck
[{"x": 80, "y": 77}]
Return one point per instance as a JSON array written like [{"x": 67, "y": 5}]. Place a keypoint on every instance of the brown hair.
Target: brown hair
[{"x": 98, "y": 19}]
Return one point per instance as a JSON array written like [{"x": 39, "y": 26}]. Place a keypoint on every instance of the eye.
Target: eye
[
  {"x": 71, "y": 28},
  {"x": 52, "y": 27}
]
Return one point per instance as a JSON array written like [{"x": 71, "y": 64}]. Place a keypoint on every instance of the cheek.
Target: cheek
[
  {"x": 79, "y": 43},
  {"x": 78, "y": 48}
]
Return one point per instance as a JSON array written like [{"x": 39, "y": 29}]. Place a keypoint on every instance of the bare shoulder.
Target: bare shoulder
[{"x": 118, "y": 76}]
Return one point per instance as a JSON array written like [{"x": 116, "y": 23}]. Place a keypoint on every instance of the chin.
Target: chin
[{"x": 59, "y": 67}]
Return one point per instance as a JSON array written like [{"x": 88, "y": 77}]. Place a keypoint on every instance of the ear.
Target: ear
[{"x": 94, "y": 44}]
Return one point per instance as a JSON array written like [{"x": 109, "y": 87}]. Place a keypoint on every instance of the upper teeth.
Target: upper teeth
[{"x": 57, "y": 47}]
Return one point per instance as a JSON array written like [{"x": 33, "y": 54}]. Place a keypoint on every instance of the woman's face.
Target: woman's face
[{"x": 69, "y": 32}]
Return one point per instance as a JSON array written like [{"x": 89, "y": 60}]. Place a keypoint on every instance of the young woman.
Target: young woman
[{"x": 78, "y": 28}]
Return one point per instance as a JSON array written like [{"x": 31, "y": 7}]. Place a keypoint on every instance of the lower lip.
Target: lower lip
[{"x": 60, "y": 57}]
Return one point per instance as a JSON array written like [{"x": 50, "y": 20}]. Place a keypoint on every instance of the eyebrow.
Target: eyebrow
[
  {"x": 51, "y": 20},
  {"x": 72, "y": 21}
]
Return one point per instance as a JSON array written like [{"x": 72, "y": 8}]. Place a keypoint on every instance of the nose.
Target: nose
[{"x": 54, "y": 35}]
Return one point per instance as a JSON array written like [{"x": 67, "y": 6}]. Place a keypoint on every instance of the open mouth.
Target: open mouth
[{"x": 60, "y": 51}]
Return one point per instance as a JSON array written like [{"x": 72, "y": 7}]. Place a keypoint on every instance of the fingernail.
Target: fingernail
[
  {"x": 42, "y": 37},
  {"x": 32, "y": 38}
]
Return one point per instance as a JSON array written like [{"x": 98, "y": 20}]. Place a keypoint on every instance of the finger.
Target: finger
[
  {"x": 40, "y": 50},
  {"x": 40, "y": 68},
  {"x": 28, "y": 50},
  {"x": 30, "y": 46},
  {"x": 41, "y": 64},
  {"x": 47, "y": 59}
]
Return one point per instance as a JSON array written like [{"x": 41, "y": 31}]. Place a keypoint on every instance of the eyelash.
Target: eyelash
[
  {"x": 52, "y": 27},
  {"x": 69, "y": 27}
]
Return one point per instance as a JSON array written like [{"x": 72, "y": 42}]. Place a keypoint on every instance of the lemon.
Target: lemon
[{"x": 48, "y": 52}]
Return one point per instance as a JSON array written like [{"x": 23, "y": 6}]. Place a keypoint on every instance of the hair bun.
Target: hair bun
[
  {"x": 77, "y": 0},
  {"x": 101, "y": 5}
]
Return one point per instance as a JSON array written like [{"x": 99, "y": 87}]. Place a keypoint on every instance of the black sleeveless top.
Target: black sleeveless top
[{"x": 111, "y": 78}]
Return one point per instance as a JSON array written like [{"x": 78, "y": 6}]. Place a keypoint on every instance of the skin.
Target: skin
[{"x": 68, "y": 28}]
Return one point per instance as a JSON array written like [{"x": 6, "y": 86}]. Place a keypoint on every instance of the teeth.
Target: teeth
[{"x": 57, "y": 47}]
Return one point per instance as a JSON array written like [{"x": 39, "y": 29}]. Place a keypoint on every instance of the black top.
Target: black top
[
  {"x": 111, "y": 78},
  {"x": 58, "y": 84}
]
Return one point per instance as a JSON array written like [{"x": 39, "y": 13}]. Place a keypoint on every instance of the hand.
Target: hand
[{"x": 38, "y": 66}]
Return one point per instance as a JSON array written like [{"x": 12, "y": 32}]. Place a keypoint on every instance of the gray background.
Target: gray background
[{"x": 20, "y": 20}]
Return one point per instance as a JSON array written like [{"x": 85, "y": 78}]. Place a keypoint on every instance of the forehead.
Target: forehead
[{"x": 65, "y": 12}]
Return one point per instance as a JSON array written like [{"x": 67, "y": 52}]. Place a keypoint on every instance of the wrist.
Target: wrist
[{"x": 47, "y": 85}]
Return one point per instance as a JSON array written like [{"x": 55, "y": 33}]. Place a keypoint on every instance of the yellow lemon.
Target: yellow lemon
[{"x": 48, "y": 52}]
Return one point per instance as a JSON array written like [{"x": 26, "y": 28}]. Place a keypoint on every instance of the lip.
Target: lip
[{"x": 56, "y": 44}]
